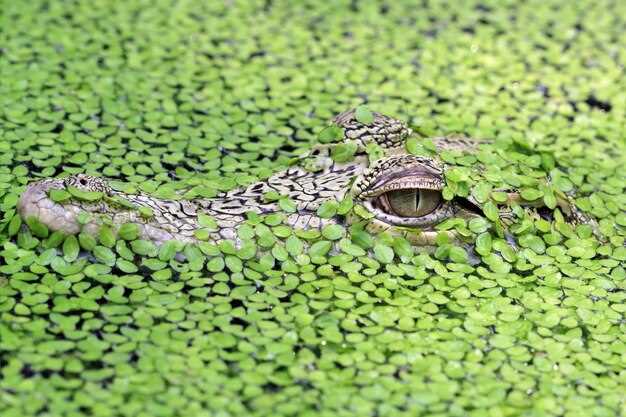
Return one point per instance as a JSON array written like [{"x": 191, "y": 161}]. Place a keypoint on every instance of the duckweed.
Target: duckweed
[{"x": 195, "y": 98}]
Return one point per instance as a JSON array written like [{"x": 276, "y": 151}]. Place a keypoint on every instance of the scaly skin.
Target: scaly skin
[{"x": 314, "y": 180}]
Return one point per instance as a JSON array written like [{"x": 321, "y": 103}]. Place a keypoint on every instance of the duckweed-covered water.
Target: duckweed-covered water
[{"x": 191, "y": 98}]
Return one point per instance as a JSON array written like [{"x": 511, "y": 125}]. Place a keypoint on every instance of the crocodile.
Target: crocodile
[{"x": 402, "y": 192}]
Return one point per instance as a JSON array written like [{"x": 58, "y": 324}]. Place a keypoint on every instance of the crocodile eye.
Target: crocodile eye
[{"x": 416, "y": 202}]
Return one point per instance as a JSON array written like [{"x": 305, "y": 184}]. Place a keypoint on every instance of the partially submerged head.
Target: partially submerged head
[{"x": 366, "y": 159}]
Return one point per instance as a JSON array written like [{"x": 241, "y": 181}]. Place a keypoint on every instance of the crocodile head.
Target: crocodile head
[{"x": 365, "y": 164}]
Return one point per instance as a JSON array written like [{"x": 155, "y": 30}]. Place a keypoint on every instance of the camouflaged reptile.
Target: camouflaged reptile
[{"x": 401, "y": 191}]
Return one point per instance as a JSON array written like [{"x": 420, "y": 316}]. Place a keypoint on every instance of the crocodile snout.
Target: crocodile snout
[{"x": 36, "y": 203}]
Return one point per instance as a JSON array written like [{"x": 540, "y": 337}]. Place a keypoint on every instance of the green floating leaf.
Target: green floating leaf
[
  {"x": 478, "y": 225},
  {"x": 143, "y": 247},
  {"x": 383, "y": 253},
  {"x": 374, "y": 152},
  {"x": 294, "y": 245},
  {"x": 207, "y": 221},
  {"x": 120, "y": 202},
  {"x": 457, "y": 174},
  {"x": 483, "y": 243},
  {"x": 333, "y": 232},
  {"x": 71, "y": 248},
  {"x": 327, "y": 209},
  {"x": 531, "y": 194},
  {"x": 106, "y": 236},
  {"x": 83, "y": 217},
  {"x": 402, "y": 247},
  {"x": 345, "y": 205},
  {"x": 491, "y": 211},
  {"x": 481, "y": 191},
  {"x": 104, "y": 255},
  {"x": 533, "y": 242},
  {"x": 126, "y": 266},
  {"x": 216, "y": 264},
  {"x": 351, "y": 248},
  {"x": 59, "y": 196},
  {"x": 87, "y": 241},
  {"x": 39, "y": 229},
  {"x": 168, "y": 250},
  {"x": 458, "y": 255},
  {"x": 330, "y": 134},
  {"x": 550, "y": 200},
  {"x": 447, "y": 193},
  {"x": 54, "y": 240},
  {"x": 83, "y": 195},
  {"x": 499, "y": 196},
  {"x": 364, "y": 115},
  {"x": 202, "y": 234},
  {"x": 320, "y": 248},
  {"x": 343, "y": 152},
  {"x": 128, "y": 231},
  {"x": 362, "y": 212},
  {"x": 14, "y": 225},
  {"x": 146, "y": 212},
  {"x": 438, "y": 298},
  {"x": 362, "y": 238},
  {"x": 415, "y": 146},
  {"x": 271, "y": 196},
  {"x": 287, "y": 205}
]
